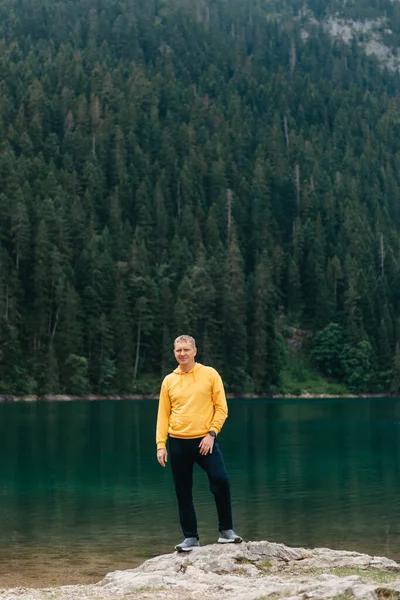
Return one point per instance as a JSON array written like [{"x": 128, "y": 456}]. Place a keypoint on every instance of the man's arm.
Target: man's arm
[
  {"x": 164, "y": 411},
  {"x": 219, "y": 401},
  {"x": 220, "y": 413}
]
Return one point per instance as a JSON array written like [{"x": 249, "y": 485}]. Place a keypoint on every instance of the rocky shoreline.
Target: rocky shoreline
[
  {"x": 247, "y": 571},
  {"x": 9, "y": 398}
]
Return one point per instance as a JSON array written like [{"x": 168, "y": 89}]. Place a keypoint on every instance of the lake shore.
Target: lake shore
[
  {"x": 247, "y": 571},
  {"x": 9, "y": 398}
]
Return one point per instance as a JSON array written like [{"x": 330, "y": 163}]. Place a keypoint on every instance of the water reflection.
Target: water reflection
[
  {"x": 323, "y": 473},
  {"x": 81, "y": 492}
]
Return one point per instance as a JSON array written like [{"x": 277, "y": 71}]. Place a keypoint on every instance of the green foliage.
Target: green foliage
[
  {"x": 351, "y": 362},
  {"x": 327, "y": 350},
  {"x": 395, "y": 383},
  {"x": 148, "y": 384},
  {"x": 195, "y": 167},
  {"x": 298, "y": 377},
  {"x": 106, "y": 376},
  {"x": 77, "y": 374},
  {"x": 357, "y": 365}
]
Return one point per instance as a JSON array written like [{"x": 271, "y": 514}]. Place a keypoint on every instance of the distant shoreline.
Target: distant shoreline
[{"x": 10, "y": 398}]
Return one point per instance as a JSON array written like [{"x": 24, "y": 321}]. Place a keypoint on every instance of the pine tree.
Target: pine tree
[
  {"x": 204, "y": 297},
  {"x": 146, "y": 187},
  {"x": 395, "y": 383},
  {"x": 122, "y": 328},
  {"x": 260, "y": 307},
  {"x": 234, "y": 316}
]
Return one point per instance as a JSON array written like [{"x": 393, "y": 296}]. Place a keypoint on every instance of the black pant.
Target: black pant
[{"x": 183, "y": 455}]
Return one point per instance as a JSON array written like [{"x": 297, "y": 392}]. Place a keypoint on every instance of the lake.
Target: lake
[{"x": 81, "y": 492}]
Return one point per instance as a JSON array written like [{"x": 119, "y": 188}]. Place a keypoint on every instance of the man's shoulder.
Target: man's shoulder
[
  {"x": 212, "y": 372},
  {"x": 168, "y": 377}
]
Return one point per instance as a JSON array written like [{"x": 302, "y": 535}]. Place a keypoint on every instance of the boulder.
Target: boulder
[{"x": 247, "y": 571}]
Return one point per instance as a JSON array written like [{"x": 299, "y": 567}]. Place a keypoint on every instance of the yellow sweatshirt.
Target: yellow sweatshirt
[{"x": 191, "y": 404}]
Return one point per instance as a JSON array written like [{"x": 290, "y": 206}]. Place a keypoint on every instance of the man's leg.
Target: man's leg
[
  {"x": 182, "y": 461},
  {"x": 213, "y": 464}
]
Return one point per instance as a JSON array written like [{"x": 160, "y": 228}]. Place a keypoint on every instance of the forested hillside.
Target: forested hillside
[{"x": 198, "y": 166}]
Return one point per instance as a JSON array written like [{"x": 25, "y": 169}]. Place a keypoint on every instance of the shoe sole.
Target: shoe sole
[
  {"x": 179, "y": 549},
  {"x": 237, "y": 540}
]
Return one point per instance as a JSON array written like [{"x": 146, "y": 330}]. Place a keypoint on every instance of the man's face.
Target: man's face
[{"x": 184, "y": 354}]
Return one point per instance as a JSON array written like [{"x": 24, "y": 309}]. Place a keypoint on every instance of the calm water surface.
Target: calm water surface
[{"x": 81, "y": 493}]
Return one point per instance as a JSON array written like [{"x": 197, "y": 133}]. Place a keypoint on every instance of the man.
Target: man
[{"x": 191, "y": 412}]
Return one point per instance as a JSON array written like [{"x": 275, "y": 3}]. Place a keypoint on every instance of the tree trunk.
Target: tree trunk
[
  {"x": 229, "y": 208},
  {"x": 382, "y": 254},
  {"x": 7, "y": 304},
  {"x": 285, "y": 127},
  {"x": 137, "y": 351},
  {"x": 297, "y": 177}
]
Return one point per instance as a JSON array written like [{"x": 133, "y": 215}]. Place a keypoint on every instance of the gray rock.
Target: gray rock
[{"x": 247, "y": 571}]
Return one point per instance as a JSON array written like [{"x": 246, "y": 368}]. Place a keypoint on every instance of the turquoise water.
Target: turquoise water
[{"x": 81, "y": 493}]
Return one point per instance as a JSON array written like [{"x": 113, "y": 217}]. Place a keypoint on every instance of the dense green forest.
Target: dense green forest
[{"x": 198, "y": 166}]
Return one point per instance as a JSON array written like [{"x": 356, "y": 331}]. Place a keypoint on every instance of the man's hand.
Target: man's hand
[
  {"x": 206, "y": 445},
  {"x": 162, "y": 456}
]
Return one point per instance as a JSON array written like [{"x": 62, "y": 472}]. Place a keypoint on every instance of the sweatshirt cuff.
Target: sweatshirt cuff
[
  {"x": 215, "y": 428},
  {"x": 161, "y": 445}
]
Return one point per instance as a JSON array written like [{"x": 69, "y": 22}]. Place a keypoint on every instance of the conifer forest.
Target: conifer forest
[{"x": 209, "y": 167}]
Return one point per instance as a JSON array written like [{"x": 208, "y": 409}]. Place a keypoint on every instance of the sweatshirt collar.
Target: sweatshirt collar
[{"x": 179, "y": 371}]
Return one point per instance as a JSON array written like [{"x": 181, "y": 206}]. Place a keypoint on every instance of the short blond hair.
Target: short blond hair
[{"x": 186, "y": 338}]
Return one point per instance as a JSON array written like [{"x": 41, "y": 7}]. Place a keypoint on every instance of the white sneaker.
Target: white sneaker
[
  {"x": 187, "y": 545},
  {"x": 228, "y": 536}
]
